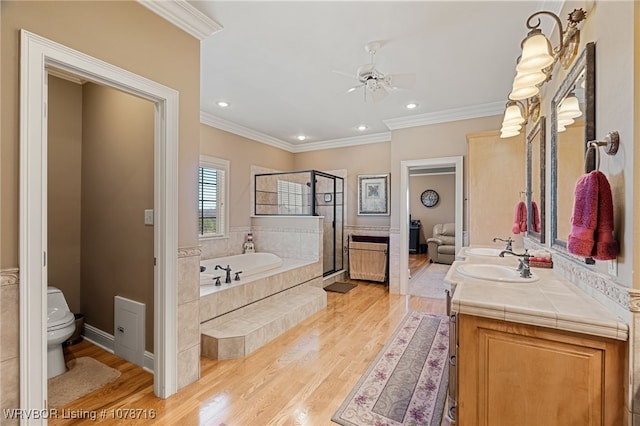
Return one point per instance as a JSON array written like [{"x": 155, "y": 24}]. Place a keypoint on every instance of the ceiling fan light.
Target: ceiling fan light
[
  {"x": 512, "y": 116},
  {"x": 569, "y": 108},
  {"x": 528, "y": 79},
  {"x": 518, "y": 94},
  {"x": 536, "y": 52}
]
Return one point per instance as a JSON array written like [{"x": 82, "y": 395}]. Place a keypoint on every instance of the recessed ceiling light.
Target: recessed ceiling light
[
  {"x": 362, "y": 127},
  {"x": 411, "y": 105},
  {"x": 301, "y": 137},
  {"x": 223, "y": 104},
  {"x": 353, "y": 89}
]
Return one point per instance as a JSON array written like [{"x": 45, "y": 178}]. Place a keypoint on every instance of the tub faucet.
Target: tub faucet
[
  {"x": 523, "y": 267},
  {"x": 509, "y": 241},
  {"x": 227, "y": 279}
]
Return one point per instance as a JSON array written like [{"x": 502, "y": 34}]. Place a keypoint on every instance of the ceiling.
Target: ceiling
[{"x": 275, "y": 63}]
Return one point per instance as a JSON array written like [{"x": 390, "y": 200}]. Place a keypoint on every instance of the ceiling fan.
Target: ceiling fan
[{"x": 375, "y": 83}]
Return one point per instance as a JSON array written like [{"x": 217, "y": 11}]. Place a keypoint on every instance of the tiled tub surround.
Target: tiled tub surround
[
  {"x": 10, "y": 338},
  {"x": 239, "y": 317},
  {"x": 188, "y": 325}
]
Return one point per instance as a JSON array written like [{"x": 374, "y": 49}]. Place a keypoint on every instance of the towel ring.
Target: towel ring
[{"x": 611, "y": 143}]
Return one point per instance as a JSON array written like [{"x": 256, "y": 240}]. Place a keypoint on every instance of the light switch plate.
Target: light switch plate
[{"x": 148, "y": 217}]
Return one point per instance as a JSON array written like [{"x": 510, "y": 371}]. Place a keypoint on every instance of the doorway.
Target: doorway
[
  {"x": 407, "y": 167},
  {"x": 38, "y": 56}
]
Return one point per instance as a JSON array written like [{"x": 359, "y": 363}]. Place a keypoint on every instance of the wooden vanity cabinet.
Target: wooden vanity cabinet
[{"x": 512, "y": 374}]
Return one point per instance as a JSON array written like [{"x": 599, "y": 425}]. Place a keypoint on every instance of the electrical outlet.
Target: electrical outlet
[{"x": 612, "y": 267}]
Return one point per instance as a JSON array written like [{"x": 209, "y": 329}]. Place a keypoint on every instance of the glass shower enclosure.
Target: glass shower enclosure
[{"x": 307, "y": 193}]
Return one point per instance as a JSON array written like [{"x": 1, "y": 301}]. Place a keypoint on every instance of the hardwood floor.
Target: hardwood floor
[
  {"x": 300, "y": 378},
  {"x": 417, "y": 262}
]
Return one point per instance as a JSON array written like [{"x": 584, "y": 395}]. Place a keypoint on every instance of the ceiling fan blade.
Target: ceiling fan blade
[
  {"x": 400, "y": 81},
  {"x": 354, "y": 88},
  {"x": 344, "y": 74},
  {"x": 379, "y": 94}
]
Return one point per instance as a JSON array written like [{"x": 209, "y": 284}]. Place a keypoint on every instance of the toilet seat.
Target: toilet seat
[{"x": 57, "y": 319}]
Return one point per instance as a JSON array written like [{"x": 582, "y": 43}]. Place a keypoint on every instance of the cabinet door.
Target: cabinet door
[{"x": 518, "y": 375}]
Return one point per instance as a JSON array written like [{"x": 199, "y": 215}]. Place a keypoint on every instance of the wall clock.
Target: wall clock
[{"x": 429, "y": 198}]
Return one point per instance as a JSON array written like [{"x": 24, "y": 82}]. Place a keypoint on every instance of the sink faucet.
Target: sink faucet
[
  {"x": 227, "y": 279},
  {"x": 509, "y": 241},
  {"x": 523, "y": 267}
]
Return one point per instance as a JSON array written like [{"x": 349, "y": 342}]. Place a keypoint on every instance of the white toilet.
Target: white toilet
[{"x": 60, "y": 326}]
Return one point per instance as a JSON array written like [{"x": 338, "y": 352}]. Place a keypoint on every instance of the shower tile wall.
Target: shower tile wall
[{"x": 289, "y": 237}]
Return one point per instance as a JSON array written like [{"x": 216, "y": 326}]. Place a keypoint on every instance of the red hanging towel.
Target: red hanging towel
[
  {"x": 520, "y": 220},
  {"x": 592, "y": 219},
  {"x": 535, "y": 217}
]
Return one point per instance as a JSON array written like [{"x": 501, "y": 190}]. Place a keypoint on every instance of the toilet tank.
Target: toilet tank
[{"x": 56, "y": 300}]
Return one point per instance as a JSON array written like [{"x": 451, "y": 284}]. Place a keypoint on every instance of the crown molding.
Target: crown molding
[
  {"x": 343, "y": 142},
  {"x": 184, "y": 16},
  {"x": 444, "y": 116},
  {"x": 231, "y": 127}
]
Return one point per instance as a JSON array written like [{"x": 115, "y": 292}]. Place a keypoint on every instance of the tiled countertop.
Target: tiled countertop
[{"x": 550, "y": 302}]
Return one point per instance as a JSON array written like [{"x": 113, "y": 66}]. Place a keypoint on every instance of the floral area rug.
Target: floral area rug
[{"x": 407, "y": 382}]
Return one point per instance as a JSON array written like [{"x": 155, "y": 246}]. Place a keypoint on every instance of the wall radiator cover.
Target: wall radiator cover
[{"x": 367, "y": 261}]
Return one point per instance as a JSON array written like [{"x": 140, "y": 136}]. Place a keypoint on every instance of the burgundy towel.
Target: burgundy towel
[
  {"x": 520, "y": 220},
  {"x": 606, "y": 245},
  {"x": 592, "y": 219},
  {"x": 535, "y": 217}
]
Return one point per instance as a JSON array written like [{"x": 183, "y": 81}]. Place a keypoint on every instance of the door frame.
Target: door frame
[
  {"x": 37, "y": 55},
  {"x": 406, "y": 167}
]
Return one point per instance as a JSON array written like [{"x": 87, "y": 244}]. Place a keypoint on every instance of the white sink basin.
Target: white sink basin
[
  {"x": 498, "y": 273},
  {"x": 482, "y": 251}
]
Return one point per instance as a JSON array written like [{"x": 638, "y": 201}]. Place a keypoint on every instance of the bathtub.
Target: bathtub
[{"x": 249, "y": 263}]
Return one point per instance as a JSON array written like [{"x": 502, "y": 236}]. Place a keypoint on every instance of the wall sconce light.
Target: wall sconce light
[
  {"x": 568, "y": 110},
  {"x": 535, "y": 65},
  {"x": 517, "y": 114}
]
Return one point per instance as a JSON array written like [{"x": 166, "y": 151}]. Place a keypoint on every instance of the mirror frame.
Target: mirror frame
[
  {"x": 538, "y": 130},
  {"x": 586, "y": 61}
]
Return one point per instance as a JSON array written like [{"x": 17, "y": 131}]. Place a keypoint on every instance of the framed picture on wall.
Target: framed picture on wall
[{"x": 373, "y": 195}]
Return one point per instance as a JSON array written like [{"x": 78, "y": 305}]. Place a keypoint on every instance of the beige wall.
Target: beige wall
[
  {"x": 434, "y": 141},
  {"x": 64, "y": 186},
  {"x": 117, "y": 186},
  {"x": 356, "y": 160},
  {"x": 242, "y": 153},
  {"x": 125, "y": 34},
  {"x": 496, "y": 181},
  {"x": 611, "y": 26},
  {"x": 443, "y": 212}
]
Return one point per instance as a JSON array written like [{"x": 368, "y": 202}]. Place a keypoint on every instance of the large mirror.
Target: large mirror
[
  {"x": 572, "y": 126},
  {"x": 536, "y": 181}
]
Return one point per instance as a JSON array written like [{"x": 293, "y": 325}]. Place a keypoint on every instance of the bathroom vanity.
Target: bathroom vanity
[{"x": 533, "y": 353}]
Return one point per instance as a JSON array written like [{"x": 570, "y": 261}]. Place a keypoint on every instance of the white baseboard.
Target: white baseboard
[{"x": 106, "y": 341}]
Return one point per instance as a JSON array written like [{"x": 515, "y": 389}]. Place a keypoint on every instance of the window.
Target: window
[
  {"x": 290, "y": 196},
  {"x": 212, "y": 197}
]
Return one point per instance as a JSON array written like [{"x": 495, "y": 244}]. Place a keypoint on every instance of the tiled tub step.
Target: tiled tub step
[{"x": 236, "y": 335}]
